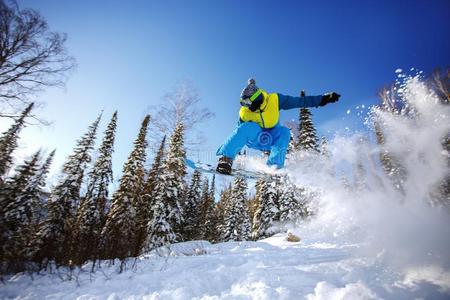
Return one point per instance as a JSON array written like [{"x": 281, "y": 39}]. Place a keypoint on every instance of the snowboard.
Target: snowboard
[{"x": 207, "y": 168}]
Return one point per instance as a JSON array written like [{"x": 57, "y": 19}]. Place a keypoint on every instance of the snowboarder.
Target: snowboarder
[{"x": 259, "y": 126}]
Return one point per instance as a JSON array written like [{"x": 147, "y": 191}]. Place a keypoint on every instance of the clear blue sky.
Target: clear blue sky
[{"x": 129, "y": 53}]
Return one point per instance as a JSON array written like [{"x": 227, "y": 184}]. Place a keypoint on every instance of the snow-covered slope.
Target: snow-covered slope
[{"x": 269, "y": 269}]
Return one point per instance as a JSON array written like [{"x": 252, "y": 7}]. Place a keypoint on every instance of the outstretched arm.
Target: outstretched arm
[{"x": 289, "y": 102}]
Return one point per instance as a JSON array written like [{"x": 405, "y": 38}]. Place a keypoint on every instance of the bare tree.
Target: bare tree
[
  {"x": 440, "y": 82},
  {"x": 388, "y": 100},
  {"x": 31, "y": 57},
  {"x": 181, "y": 105}
]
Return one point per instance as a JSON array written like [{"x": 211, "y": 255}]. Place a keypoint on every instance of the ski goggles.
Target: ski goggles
[{"x": 247, "y": 102}]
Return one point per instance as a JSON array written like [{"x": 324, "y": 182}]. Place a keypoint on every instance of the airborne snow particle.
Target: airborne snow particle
[
  {"x": 398, "y": 70},
  {"x": 348, "y": 112}
]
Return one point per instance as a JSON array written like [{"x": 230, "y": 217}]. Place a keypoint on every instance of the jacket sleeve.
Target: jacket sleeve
[{"x": 289, "y": 102}]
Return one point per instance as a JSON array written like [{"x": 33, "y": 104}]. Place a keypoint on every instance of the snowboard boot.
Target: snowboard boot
[{"x": 224, "y": 165}]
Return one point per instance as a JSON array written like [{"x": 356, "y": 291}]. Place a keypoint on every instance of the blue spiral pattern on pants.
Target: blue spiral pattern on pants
[{"x": 275, "y": 140}]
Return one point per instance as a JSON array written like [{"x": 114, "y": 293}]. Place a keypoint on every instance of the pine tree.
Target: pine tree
[
  {"x": 252, "y": 206},
  {"x": 324, "y": 147},
  {"x": 345, "y": 183},
  {"x": 307, "y": 138},
  {"x": 267, "y": 211},
  {"x": 8, "y": 142},
  {"x": 246, "y": 226},
  {"x": 37, "y": 189},
  {"x": 154, "y": 176},
  {"x": 390, "y": 163},
  {"x": 291, "y": 202},
  {"x": 101, "y": 174},
  {"x": 16, "y": 213},
  {"x": 230, "y": 218},
  {"x": 191, "y": 208},
  {"x": 127, "y": 207},
  {"x": 219, "y": 212},
  {"x": 206, "y": 226},
  {"x": 236, "y": 219},
  {"x": 212, "y": 191},
  {"x": 20, "y": 217},
  {"x": 293, "y": 127},
  {"x": 166, "y": 210},
  {"x": 359, "y": 175},
  {"x": 55, "y": 235},
  {"x": 155, "y": 171},
  {"x": 91, "y": 214},
  {"x": 291, "y": 146},
  {"x": 253, "y": 202}
]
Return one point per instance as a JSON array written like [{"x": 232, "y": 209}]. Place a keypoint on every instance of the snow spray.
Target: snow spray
[
  {"x": 395, "y": 217},
  {"x": 392, "y": 217}
]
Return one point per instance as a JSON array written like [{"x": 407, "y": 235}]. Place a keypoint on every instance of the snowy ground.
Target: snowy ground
[{"x": 268, "y": 269}]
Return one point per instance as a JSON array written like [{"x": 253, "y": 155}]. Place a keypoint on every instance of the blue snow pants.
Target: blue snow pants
[{"x": 275, "y": 140}]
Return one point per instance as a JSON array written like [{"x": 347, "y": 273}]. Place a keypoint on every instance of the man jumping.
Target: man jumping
[{"x": 259, "y": 126}]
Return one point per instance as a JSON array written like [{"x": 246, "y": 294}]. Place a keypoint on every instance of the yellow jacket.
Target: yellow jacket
[{"x": 268, "y": 114}]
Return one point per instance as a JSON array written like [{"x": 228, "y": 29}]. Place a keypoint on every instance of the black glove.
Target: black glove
[{"x": 329, "y": 98}]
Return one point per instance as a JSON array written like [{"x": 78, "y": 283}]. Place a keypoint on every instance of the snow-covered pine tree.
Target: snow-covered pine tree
[
  {"x": 230, "y": 218},
  {"x": 390, "y": 162},
  {"x": 55, "y": 235},
  {"x": 267, "y": 211},
  {"x": 345, "y": 182},
  {"x": 206, "y": 209},
  {"x": 153, "y": 177},
  {"x": 127, "y": 207},
  {"x": 212, "y": 220},
  {"x": 8, "y": 142},
  {"x": 324, "y": 147},
  {"x": 307, "y": 136},
  {"x": 155, "y": 171},
  {"x": 236, "y": 220},
  {"x": 219, "y": 212},
  {"x": 246, "y": 226},
  {"x": 101, "y": 174},
  {"x": 205, "y": 200},
  {"x": 291, "y": 202},
  {"x": 212, "y": 189},
  {"x": 191, "y": 208},
  {"x": 92, "y": 212},
  {"x": 16, "y": 214},
  {"x": 252, "y": 205},
  {"x": 34, "y": 192},
  {"x": 395, "y": 171},
  {"x": 37, "y": 189},
  {"x": 166, "y": 210},
  {"x": 291, "y": 146},
  {"x": 359, "y": 175},
  {"x": 293, "y": 127},
  {"x": 325, "y": 152}
]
